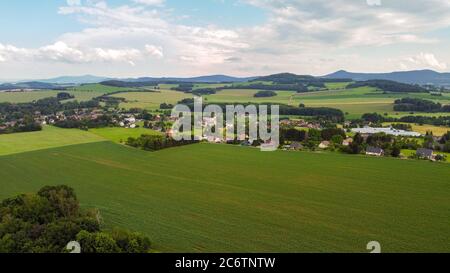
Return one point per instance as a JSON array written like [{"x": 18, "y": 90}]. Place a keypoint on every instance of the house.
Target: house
[
  {"x": 324, "y": 144},
  {"x": 295, "y": 146},
  {"x": 375, "y": 151},
  {"x": 347, "y": 141},
  {"x": 425, "y": 153}
]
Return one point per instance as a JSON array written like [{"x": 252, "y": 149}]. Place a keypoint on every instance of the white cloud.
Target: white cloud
[
  {"x": 73, "y": 2},
  {"x": 150, "y": 2},
  {"x": 374, "y": 2},
  {"x": 155, "y": 51},
  {"x": 423, "y": 60},
  {"x": 302, "y": 36}
]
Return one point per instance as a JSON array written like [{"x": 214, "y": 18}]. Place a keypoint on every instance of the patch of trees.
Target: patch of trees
[
  {"x": 204, "y": 91},
  {"x": 156, "y": 142},
  {"x": 389, "y": 86},
  {"x": 324, "y": 113},
  {"x": 419, "y": 105},
  {"x": 85, "y": 123},
  {"x": 331, "y": 114},
  {"x": 297, "y": 87},
  {"x": 184, "y": 87},
  {"x": 289, "y": 78},
  {"x": 391, "y": 145},
  {"x": 437, "y": 121},
  {"x": 64, "y": 96},
  {"x": 45, "y": 106},
  {"x": 27, "y": 124},
  {"x": 47, "y": 221},
  {"x": 265, "y": 94},
  {"x": 166, "y": 106}
]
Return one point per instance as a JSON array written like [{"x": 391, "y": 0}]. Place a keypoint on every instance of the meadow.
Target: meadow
[
  {"x": 220, "y": 198},
  {"x": 120, "y": 135},
  {"x": 49, "y": 137},
  {"x": 151, "y": 100},
  {"x": 29, "y": 96}
]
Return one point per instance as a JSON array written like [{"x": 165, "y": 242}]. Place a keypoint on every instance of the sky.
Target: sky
[{"x": 134, "y": 38}]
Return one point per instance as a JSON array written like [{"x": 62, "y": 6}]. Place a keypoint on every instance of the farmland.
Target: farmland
[
  {"x": 216, "y": 198},
  {"x": 29, "y": 96},
  {"x": 49, "y": 137},
  {"x": 151, "y": 100},
  {"x": 120, "y": 135}
]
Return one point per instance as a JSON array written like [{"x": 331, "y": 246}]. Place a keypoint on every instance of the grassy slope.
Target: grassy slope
[
  {"x": 226, "y": 198},
  {"x": 120, "y": 135},
  {"x": 49, "y": 137},
  {"x": 151, "y": 100}
]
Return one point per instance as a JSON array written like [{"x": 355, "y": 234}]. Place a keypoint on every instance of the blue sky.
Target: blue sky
[{"x": 130, "y": 38}]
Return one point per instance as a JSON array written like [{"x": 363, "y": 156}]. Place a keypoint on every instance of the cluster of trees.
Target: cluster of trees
[
  {"x": 419, "y": 105},
  {"x": 443, "y": 144},
  {"x": 265, "y": 94},
  {"x": 312, "y": 137},
  {"x": 378, "y": 119},
  {"x": 326, "y": 113},
  {"x": 297, "y": 87},
  {"x": 156, "y": 142},
  {"x": 184, "y": 87},
  {"x": 391, "y": 145},
  {"x": 27, "y": 124},
  {"x": 64, "y": 96},
  {"x": 166, "y": 106},
  {"x": 320, "y": 113},
  {"x": 389, "y": 86},
  {"x": 85, "y": 123},
  {"x": 189, "y": 88},
  {"x": 289, "y": 78},
  {"x": 47, "y": 106},
  {"x": 47, "y": 221}
]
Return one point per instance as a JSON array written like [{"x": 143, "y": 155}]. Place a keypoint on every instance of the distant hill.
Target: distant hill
[
  {"x": 411, "y": 77},
  {"x": 29, "y": 85},
  {"x": 201, "y": 79},
  {"x": 75, "y": 79}
]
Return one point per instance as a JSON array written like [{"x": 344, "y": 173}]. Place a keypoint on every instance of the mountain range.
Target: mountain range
[{"x": 421, "y": 77}]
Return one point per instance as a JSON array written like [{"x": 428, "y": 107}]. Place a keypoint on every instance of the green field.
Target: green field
[
  {"x": 151, "y": 101},
  {"x": 120, "y": 135},
  {"x": 219, "y": 198},
  {"x": 29, "y": 96},
  {"x": 49, "y": 137}
]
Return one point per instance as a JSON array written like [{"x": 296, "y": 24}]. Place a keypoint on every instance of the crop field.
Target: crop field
[
  {"x": 220, "y": 198},
  {"x": 120, "y": 135},
  {"x": 102, "y": 89},
  {"x": 29, "y": 96},
  {"x": 49, "y": 137},
  {"x": 151, "y": 100}
]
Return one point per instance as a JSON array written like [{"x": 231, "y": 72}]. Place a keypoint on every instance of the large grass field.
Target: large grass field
[
  {"x": 219, "y": 198},
  {"x": 29, "y": 96},
  {"x": 49, "y": 137},
  {"x": 120, "y": 135},
  {"x": 151, "y": 100}
]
